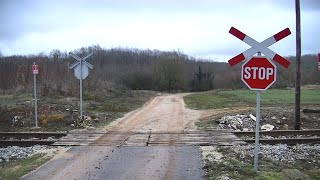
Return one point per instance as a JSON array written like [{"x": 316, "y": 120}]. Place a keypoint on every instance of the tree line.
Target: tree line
[{"x": 135, "y": 69}]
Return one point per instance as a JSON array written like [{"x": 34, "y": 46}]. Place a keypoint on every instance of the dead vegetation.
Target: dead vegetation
[{"x": 60, "y": 113}]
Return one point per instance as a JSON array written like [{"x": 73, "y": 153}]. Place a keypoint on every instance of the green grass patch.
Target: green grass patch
[
  {"x": 15, "y": 169},
  {"x": 10, "y": 100},
  {"x": 117, "y": 102},
  {"x": 211, "y": 100},
  {"x": 245, "y": 98}
]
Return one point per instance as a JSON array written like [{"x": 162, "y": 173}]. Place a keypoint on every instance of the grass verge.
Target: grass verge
[
  {"x": 245, "y": 98},
  {"x": 15, "y": 169}
]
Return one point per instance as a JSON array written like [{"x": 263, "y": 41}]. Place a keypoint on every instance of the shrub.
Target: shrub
[{"x": 45, "y": 119}]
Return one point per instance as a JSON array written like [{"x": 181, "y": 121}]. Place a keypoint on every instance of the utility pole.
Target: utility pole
[{"x": 298, "y": 64}]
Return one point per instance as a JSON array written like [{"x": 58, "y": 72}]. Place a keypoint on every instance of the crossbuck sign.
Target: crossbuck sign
[
  {"x": 81, "y": 66},
  {"x": 81, "y": 71},
  {"x": 259, "y": 47},
  {"x": 258, "y": 73}
]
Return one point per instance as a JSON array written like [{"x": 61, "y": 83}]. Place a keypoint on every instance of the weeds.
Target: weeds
[
  {"x": 61, "y": 113},
  {"x": 45, "y": 119}
]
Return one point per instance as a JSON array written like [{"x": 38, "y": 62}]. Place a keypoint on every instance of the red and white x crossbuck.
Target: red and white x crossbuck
[{"x": 259, "y": 47}]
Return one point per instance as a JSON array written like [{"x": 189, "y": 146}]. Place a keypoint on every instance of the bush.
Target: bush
[{"x": 45, "y": 119}]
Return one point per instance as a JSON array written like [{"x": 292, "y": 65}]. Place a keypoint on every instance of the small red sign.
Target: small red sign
[
  {"x": 258, "y": 73},
  {"x": 35, "y": 69},
  {"x": 319, "y": 61}
]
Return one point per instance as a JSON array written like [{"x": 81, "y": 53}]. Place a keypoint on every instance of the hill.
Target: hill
[{"x": 135, "y": 69}]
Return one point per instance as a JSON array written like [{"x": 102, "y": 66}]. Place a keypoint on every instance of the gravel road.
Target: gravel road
[{"x": 163, "y": 113}]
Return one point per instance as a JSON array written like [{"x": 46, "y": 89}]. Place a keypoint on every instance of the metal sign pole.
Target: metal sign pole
[
  {"x": 35, "y": 98},
  {"x": 256, "y": 145},
  {"x": 257, "y": 137},
  {"x": 81, "y": 113}
]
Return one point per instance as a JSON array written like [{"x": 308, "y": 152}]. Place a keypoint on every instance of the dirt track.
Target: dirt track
[{"x": 163, "y": 113}]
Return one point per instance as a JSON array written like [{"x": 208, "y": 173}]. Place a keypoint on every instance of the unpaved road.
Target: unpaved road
[{"x": 163, "y": 113}]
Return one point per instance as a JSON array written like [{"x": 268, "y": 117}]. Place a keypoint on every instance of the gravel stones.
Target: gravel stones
[
  {"x": 12, "y": 153},
  {"x": 242, "y": 122},
  {"x": 282, "y": 152},
  {"x": 237, "y": 123}
]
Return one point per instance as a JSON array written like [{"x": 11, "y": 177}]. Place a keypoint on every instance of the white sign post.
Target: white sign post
[
  {"x": 258, "y": 73},
  {"x": 35, "y": 71},
  {"x": 81, "y": 71}
]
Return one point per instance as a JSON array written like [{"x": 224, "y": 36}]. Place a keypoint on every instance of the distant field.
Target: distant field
[{"x": 246, "y": 98}]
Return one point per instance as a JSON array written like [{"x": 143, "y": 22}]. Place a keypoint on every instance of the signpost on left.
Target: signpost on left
[{"x": 35, "y": 71}]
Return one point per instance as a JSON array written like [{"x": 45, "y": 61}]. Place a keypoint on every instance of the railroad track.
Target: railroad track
[
  {"x": 280, "y": 132},
  {"x": 117, "y": 138},
  {"x": 29, "y": 138},
  {"x": 187, "y": 138},
  {"x": 289, "y": 137}
]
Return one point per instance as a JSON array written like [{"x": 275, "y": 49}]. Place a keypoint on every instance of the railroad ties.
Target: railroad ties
[
  {"x": 188, "y": 138},
  {"x": 157, "y": 138},
  {"x": 185, "y": 138}
]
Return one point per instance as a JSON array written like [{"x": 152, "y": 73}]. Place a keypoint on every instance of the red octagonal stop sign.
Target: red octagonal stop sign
[{"x": 258, "y": 73}]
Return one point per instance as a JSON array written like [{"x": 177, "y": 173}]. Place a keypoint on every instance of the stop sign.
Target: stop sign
[{"x": 258, "y": 73}]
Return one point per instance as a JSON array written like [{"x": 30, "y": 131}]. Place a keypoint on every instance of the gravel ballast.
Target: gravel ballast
[
  {"x": 282, "y": 152},
  {"x": 12, "y": 153}
]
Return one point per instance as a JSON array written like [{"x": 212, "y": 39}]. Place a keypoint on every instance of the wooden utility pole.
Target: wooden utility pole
[{"x": 298, "y": 63}]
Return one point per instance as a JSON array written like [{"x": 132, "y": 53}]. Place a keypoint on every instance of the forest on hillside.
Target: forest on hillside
[{"x": 135, "y": 69}]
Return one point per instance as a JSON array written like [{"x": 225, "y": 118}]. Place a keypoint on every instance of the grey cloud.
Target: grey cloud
[
  {"x": 305, "y": 5},
  {"x": 310, "y": 5},
  {"x": 22, "y": 17}
]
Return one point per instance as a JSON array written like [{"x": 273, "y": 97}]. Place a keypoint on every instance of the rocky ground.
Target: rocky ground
[
  {"x": 13, "y": 153},
  {"x": 271, "y": 119},
  {"x": 283, "y": 152},
  {"x": 236, "y": 162}
]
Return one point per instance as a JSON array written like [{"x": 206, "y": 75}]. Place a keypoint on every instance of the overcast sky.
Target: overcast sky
[{"x": 198, "y": 28}]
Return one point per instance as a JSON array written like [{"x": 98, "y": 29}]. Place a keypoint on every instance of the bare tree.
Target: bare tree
[{"x": 120, "y": 68}]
